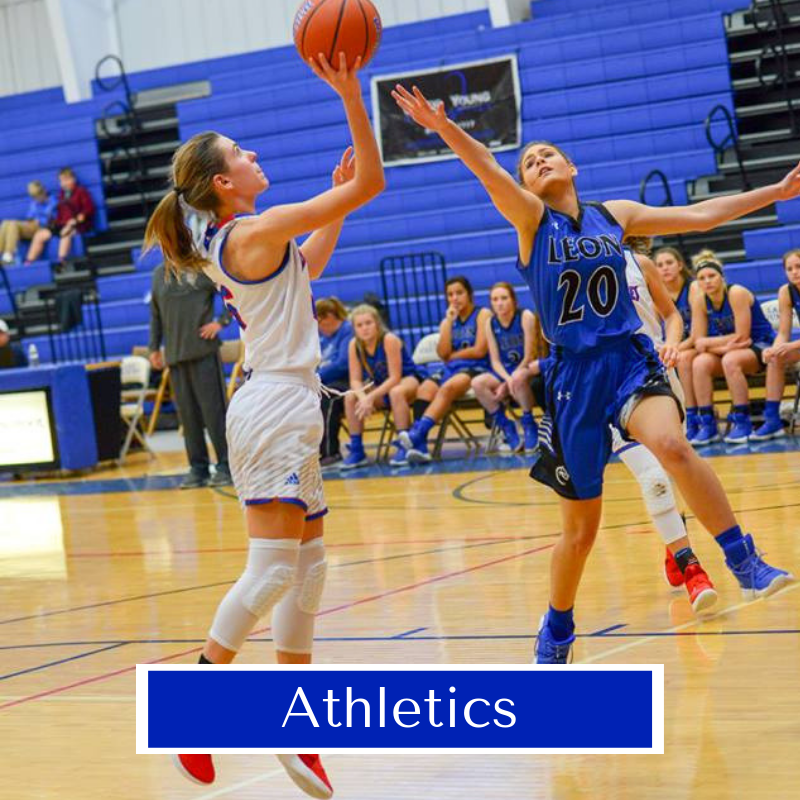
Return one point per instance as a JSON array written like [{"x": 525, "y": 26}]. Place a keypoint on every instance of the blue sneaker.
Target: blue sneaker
[
  {"x": 692, "y": 426},
  {"x": 512, "y": 442},
  {"x": 550, "y": 651},
  {"x": 741, "y": 428},
  {"x": 771, "y": 429},
  {"x": 355, "y": 458},
  {"x": 400, "y": 457},
  {"x": 755, "y": 576},
  {"x": 707, "y": 433},
  {"x": 416, "y": 447},
  {"x": 530, "y": 434}
]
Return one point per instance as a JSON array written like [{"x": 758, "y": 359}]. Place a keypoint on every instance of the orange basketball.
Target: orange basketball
[{"x": 352, "y": 27}]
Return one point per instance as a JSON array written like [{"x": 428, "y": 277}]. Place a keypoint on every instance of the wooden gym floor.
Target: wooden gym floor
[{"x": 433, "y": 566}]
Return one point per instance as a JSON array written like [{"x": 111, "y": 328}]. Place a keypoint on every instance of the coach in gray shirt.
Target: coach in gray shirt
[{"x": 182, "y": 317}]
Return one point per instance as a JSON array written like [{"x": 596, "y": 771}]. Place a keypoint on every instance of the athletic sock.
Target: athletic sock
[
  {"x": 733, "y": 544},
  {"x": 425, "y": 425},
  {"x": 420, "y": 407},
  {"x": 744, "y": 409},
  {"x": 203, "y": 660},
  {"x": 706, "y": 411},
  {"x": 561, "y": 623},
  {"x": 772, "y": 409},
  {"x": 356, "y": 443},
  {"x": 685, "y": 558}
]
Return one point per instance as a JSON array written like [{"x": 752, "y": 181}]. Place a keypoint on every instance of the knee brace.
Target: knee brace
[
  {"x": 293, "y": 617},
  {"x": 657, "y": 491},
  {"x": 270, "y": 573}
]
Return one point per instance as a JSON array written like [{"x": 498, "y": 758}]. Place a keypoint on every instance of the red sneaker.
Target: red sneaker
[
  {"x": 672, "y": 572},
  {"x": 307, "y": 772},
  {"x": 198, "y": 769},
  {"x": 702, "y": 594}
]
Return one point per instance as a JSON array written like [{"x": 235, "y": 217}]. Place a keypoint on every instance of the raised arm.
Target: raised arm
[
  {"x": 520, "y": 207},
  {"x": 641, "y": 220}
]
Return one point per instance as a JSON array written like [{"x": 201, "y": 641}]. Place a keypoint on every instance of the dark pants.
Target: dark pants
[
  {"x": 332, "y": 413},
  {"x": 200, "y": 396}
]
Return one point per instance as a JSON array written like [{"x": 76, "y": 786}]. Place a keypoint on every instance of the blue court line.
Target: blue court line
[
  {"x": 604, "y": 631},
  {"x": 408, "y": 633},
  {"x": 61, "y": 661},
  {"x": 407, "y": 637}
]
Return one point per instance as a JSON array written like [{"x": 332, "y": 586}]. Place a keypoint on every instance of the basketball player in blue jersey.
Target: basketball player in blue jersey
[
  {"x": 783, "y": 351},
  {"x": 730, "y": 335},
  {"x": 681, "y": 285},
  {"x": 601, "y": 371},
  {"x": 462, "y": 348},
  {"x": 511, "y": 337},
  {"x": 377, "y": 359}
]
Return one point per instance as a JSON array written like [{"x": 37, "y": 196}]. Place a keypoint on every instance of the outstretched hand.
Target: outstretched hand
[
  {"x": 789, "y": 187},
  {"x": 419, "y": 109},
  {"x": 345, "y": 170},
  {"x": 343, "y": 81}
]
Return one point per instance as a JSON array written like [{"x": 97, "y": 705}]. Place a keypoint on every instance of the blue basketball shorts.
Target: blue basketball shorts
[{"x": 584, "y": 395}]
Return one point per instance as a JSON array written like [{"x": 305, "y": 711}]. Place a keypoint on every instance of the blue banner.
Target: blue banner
[{"x": 359, "y": 708}]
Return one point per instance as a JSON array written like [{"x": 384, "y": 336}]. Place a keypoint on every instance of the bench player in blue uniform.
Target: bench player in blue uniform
[
  {"x": 511, "y": 337},
  {"x": 730, "y": 334},
  {"x": 682, "y": 286},
  {"x": 602, "y": 371},
  {"x": 783, "y": 351}
]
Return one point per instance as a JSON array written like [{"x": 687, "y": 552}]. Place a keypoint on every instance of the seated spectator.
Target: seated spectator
[
  {"x": 783, "y": 351},
  {"x": 462, "y": 346},
  {"x": 335, "y": 333},
  {"x": 74, "y": 214},
  {"x": 730, "y": 335},
  {"x": 11, "y": 355},
  {"x": 379, "y": 358},
  {"x": 41, "y": 211},
  {"x": 682, "y": 286},
  {"x": 510, "y": 335}
]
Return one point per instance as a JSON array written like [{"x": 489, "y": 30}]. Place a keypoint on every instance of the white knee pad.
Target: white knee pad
[
  {"x": 270, "y": 573},
  {"x": 657, "y": 491},
  {"x": 293, "y": 616}
]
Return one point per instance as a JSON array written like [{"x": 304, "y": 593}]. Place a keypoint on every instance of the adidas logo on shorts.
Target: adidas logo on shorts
[{"x": 293, "y": 480}]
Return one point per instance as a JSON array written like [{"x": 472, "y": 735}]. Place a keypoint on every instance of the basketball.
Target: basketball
[{"x": 332, "y": 26}]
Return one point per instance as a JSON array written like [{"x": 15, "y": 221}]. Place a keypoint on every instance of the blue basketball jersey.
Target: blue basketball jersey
[
  {"x": 685, "y": 308},
  {"x": 577, "y": 279},
  {"x": 510, "y": 341},
  {"x": 464, "y": 334},
  {"x": 375, "y": 367},
  {"x": 721, "y": 321},
  {"x": 794, "y": 296}
]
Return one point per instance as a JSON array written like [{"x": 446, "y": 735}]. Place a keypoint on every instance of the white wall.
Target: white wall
[
  {"x": 158, "y": 33},
  {"x": 27, "y": 56}
]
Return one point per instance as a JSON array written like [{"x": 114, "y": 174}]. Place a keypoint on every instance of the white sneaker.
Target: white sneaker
[
  {"x": 7, "y": 258},
  {"x": 307, "y": 772}
]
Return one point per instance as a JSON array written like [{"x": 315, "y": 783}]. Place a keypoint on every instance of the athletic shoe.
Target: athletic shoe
[
  {"x": 741, "y": 428},
  {"x": 707, "y": 433},
  {"x": 416, "y": 448},
  {"x": 672, "y": 572},
  {"x": 702, "y": 594},
  {"x": 194, "y": 480},
  {"x": 511, "y": 435},
  {"x": 548, "y": 650},
  {"x": 197, "y": 768},
  {"x": 771, "y": 429},
  {"x": 400, "y": 457},
  {"x": 354, "y": 459},
  {"x": 531, "y": 437},
  {"x": 755, "y": 576},
  {"x": 692, "y": 426},
  {"x": 221, "y": 477},
  {"x": 331, "y": 460},
  {"x": 307, "y": 772}
]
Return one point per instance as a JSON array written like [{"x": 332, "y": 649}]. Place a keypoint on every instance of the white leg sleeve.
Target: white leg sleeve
[
  {"x": 293, "y": 616},
  {"x": 269, "y": 574},
  {"x": 656, "y": 491}
]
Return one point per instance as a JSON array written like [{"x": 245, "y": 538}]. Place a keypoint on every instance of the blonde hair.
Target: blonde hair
[
  {"x": 643, "y": 245},
  {"x": 194, "y": 165},
  {"x": 678, "y": 256},
  {"x": 365, "y": 308},
  {"x": 705, "y": 256},
  {"x": 36, "y": 189},
  {"x": 326, "y": 306}
]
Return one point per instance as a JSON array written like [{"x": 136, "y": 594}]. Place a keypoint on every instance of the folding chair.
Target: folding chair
[
  {"x": 158, "y": 395},
  {"x": 425, "y": 353},
  {"x": 232, "y": 352},
  {"x": 135, "y": 377}
]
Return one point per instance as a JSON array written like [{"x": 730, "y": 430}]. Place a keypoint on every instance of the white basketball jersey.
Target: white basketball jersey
[
  {"x": 275, "y": 315},
  {"x": 643, "y": 300}
]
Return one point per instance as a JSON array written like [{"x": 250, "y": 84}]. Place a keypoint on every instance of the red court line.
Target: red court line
[
  {"x": 408, "y": 588},
  {"x": 332, "y": 545}
]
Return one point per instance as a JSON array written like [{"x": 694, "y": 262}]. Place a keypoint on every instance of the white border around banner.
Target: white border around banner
[
  {"x": 376, "y": 113},
  {"x": 657, "y": 711}
]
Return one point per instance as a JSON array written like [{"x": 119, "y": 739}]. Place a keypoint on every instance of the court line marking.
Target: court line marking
[
  {"x": 61, "y": 661},
  {"x": 79, "y": 698},
  {"x": 677, "y": 628},
  {"x": 343, "y": 607}
]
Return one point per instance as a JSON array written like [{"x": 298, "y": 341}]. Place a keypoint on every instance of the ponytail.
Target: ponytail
[{"x": 194, "y": 165}]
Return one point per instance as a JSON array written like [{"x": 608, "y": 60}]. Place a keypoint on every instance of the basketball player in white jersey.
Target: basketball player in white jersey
[
  {"x": 658, "y": 314},
  {"x": 274, "y": 421}
]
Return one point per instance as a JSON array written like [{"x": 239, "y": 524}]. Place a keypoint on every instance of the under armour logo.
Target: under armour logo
[
  {"x": 564, "y": 396},
  {"x": 293, "y": 480},
  {"x": 555, "y": 226},
  {"x": 562, "y": 476}
]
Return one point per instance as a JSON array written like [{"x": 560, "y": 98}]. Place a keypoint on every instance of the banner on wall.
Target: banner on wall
[{"x": 481, "y": 97}]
